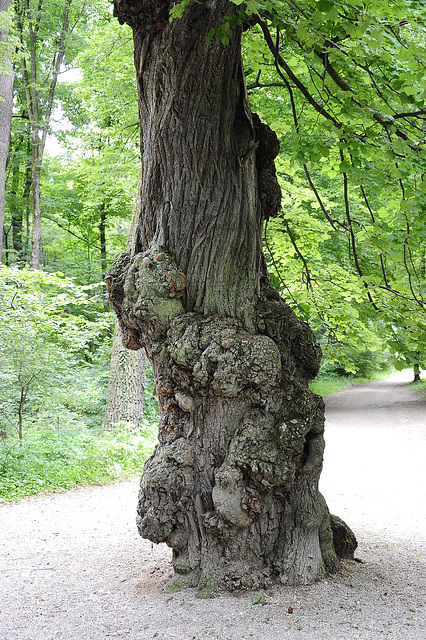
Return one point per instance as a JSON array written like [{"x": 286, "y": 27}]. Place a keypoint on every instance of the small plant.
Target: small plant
[
  {"x": 259, "y": 598},
  {"x": 208, "y": 589},
  {"x": 174, "y": 586}
]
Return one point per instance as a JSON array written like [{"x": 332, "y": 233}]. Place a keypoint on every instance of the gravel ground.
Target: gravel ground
[{"x": 73, "y": 567}]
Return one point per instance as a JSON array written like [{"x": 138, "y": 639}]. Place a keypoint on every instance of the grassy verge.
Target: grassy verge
[
  {"x": 47, "y": 462},
  {"x": 420, "y": 386},
  {"x": 327, "y": 384}
]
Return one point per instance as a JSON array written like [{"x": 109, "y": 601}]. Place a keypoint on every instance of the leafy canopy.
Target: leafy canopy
[{"x": 344, "y": 85}]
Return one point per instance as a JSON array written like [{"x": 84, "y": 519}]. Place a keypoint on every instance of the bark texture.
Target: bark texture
[
  {"x": 6, "y": 102},
  {"x": 233, "y": 484},
  {"x": 125, "y": 397}
]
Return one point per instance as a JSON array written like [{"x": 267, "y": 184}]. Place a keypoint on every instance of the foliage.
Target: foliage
[
  {"x": 55, "y": 345},
  {"x": 85, "y": 207},
  {"x": 52, "y": 461},
  {"x": 151, "y": 411},
  {"x": 348, "y": 103},
  {"x": 49, "y": 327}
]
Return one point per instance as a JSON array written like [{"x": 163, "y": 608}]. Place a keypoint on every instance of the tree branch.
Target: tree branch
[
  {"x": 281, "y": 62},
  {"x": 351, "y": 233}
]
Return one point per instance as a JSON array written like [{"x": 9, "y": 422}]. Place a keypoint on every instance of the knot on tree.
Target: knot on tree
[
  {"x": 300, "y": 352},
  {"x": 344, "y": 540},
  {"x": 222, "y": 358},
  {"x": 143, "y": 15},
  {"x": 267, "y": 150},
  {"x": 166, "y": 490},
  {"x": 145, "y": 290}
]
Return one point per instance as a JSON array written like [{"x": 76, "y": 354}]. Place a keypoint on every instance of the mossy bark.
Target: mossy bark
[{"x": 233, "y": 484}]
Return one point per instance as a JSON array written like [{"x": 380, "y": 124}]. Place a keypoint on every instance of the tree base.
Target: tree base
[{"x": 239, "y": 576}]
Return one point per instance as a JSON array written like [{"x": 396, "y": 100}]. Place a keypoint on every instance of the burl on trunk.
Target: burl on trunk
[{"x": 233, "y": 484}]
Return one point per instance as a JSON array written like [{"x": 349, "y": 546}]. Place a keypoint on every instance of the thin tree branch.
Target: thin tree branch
[
  {"x": 352, "y": 235},
  {"x": 281, "y": 62},
  {"x": 299, "y": 253}
]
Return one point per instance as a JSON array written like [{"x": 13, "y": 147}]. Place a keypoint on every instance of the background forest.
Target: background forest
[{"x": 347, "y": 250}]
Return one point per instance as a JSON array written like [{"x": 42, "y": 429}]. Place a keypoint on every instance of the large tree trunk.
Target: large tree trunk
[
  {"x": 6, "y": 101},
  {"x": 125, "y": 398},
  {"x": 233, "y": 484}
]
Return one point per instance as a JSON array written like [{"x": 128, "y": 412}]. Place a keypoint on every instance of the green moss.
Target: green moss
[
  {"x": 207, "y": 588},
  {"x": 175, "y": 585}
]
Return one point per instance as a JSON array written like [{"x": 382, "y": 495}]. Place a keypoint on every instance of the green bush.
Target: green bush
[{"x": 47, "y": 461}]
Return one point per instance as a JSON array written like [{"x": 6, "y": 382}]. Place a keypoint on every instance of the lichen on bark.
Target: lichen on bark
[
  {"x": 232, "y": 486},
  {"x": 240, "y": 436}
]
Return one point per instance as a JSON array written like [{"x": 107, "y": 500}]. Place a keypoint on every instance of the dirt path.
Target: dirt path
[{"x": 72, "y": 566}]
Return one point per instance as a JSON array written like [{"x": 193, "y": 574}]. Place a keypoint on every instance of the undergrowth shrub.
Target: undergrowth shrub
[{"x": 47, "y": 461}]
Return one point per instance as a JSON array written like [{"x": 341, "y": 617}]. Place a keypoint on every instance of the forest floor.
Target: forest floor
[{"x": 72, "y": 566}]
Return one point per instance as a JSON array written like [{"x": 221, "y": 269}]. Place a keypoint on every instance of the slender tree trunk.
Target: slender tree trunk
[
  {"x": 102, "y": 241},
  {"x": 17, "y": 219},
  {"x": 27, "y": 199},
  {"x": 39, "y": 113},
  {"x": 22, "y": 400},
  {"x": 416, "y": 370},
  {"x": 102, "y": 238},
  {"x": 35, "y": 192},
  {"x": 233, "y": 484},
  {"x": 6, "y": 101},
  {"x": 16, "y": 210}
]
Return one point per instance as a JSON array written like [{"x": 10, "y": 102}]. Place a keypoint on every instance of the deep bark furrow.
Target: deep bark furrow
[{"x": 233, "y": 484}]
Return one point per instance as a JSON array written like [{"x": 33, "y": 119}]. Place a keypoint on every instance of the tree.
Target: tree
[
  {"x": 47, "y": 41},
  {"x": 233, "y": 484},
  {"x": 42, "y": 342},
  {"x": 343, "y": 84},
  {"x": 125, "y": 398},
  {"x": 85, "y": 205},
  {"x": 6, "y": 100}
]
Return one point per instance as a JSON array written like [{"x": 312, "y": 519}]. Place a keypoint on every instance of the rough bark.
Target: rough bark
[
  {"x": 125, "y": 397},
  {"x": 233, "y": 484},
  {"x": 6, "y": 100}
]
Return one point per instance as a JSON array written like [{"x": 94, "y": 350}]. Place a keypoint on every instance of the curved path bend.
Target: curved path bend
[{"x": 72, "y": 566}]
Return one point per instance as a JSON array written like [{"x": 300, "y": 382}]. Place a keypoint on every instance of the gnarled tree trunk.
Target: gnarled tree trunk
[{"x": 233, "y": 484}]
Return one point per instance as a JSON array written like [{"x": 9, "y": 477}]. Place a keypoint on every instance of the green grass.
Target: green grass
[
  {"x": 327, "y": 384},
  {"x": 419, "y": 386},
  {"x": 47, "y": 462}
]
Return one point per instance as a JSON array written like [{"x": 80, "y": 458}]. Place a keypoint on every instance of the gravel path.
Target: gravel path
[{"x": 73, "y": 567}]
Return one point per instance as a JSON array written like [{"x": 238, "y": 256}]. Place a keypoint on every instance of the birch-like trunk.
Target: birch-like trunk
[{"x": 6, "y": 101}]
